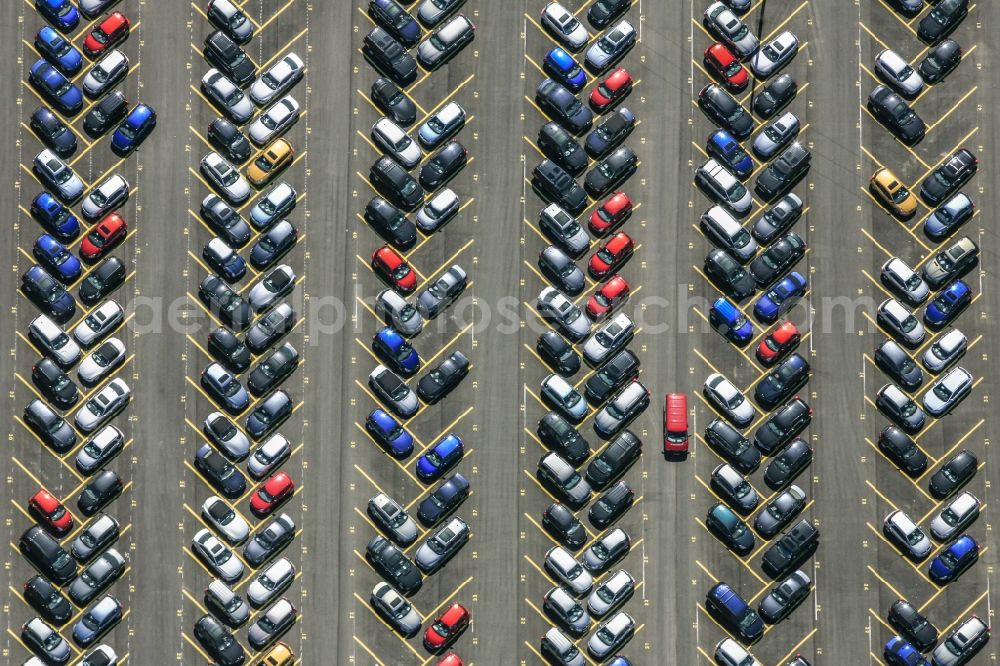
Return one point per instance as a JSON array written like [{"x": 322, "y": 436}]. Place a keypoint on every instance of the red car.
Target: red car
[
  {"x": 51, "y": 510},
  {"x": 780, "y": 341},
  {"x": 611, "y": 256},
  {"x": 392, "y": 267},
  {"x": 727, "y": 67},
  {"x": 675, "y": 424},
  {"x": 611, "y": 90},
  {"x": 105, "y": 235},
  {"x": 276, "y": 489},
  {"x": 108, "y": 33},
  {"x": 612, "y": 293},
  {"x": 609, "y": 215},
  {"x": 450, "y": 659},
  {"x": 446, "y": 629}
]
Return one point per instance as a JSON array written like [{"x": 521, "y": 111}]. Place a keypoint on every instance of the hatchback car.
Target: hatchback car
[
  {"x": 948, "y": 304},
  {"x": 726, "y": 66},
  {"x": 98, "y": 576},
  {"x": 611, "y": 634},
  {"x": 225, "y": 604},
  {"x": 39, "y": 637},
  {"x": 563, "y": 229},
  {"x": 441, "y": 457},
  {"x": 623, "y": 407},
  {"x": 270, "y": 412},
  {"x": 610, "y": 338},
  {"x": 615, "y": 87},
  {"x": 911, "y": 623},
  {"x": 446, "y": 629},
  {"x": 896, "y": 363},
  {"x": 273, "y": 244},
  {"x": 610, "y": 132},
  {"x": 564, "y": 26},
  {"x": 107, "y": 34},
  {"x": 951, "y": 261},
  {"x": 559, "y": 435},
  {"x": 57, "y": 175},
  {"x": 730, "y": 529},
  {"x": 226, "y": 436},
  {"x": 906, "y": 535},
  {"x": 225, "y": 389},
  {"x": 779, "y": 384},
  {"x": 553, "y": 306},
  {"x": 727, "y": 273},
  {"x": 951, "y": 174},
  {"x": 53, "y": 132},
  {"x": 51, "y": 428},
  {"x": 945, "y": 393},
  {"x": 103, "y": 237},
  {"x": 562, "y": 67},
  {"x": 730, "y": 322},
  {"x": 788, "y": 464},
  {"x": 441, "y": 126},
  {"x": 219, "y": 472},
  {"x": 781, "y": 426},
  {"x": 613, "y": 591},
  {"x": 963, "y": 643},
  {"x": 955, "y": 517},
  {"x": 774, "y": 54},
  {"x": 949, "y": 216},
  {"x": 902, "y": 451},
  {"x": 952, "y": 562},
  {"x": 103, "y": 115},
  {"x": 775, "y": 95},
  {"x": 102, "y": 407},
  {"x": 227, "y": 96},
  {"x": 271, "y": 161},
  {"x": 943, "y": 18},
  {"x": 210, "y": 633},
  {"x": 733, "y": 32},
  {"x": 723, "y": 187},
  {"x": 898, "y": 321},
  {"x": 393, "y": 102},
  {"x": 443, "y": 378},
  {"x": 274, "y": 621},
  {"x": 98, "y": 450},
  {"x": 898, "y": 73},
  {"x": 47, "y": 600},
  {"x": 779, "y": 511},
  {"x": 102, "y": 280},
  {"x": 729, "y": 400},
  {"x": 54, "y": 217},
  {"x": 138, "y": 124},
  {"x": 560, "y": 269},
  {"x": 445, "y": 42},
  {"x": 561, "y": 564},
  {"x": 443, "y": 165},
  {"x": 785, "y": 597},
  {"x": 442, "y": 545},
  {"x": 55, "y": 88},
  {"x": 395, "y": 610},
  {"x": 900, "y": 408},
  {"x": 58, "y": 50},
  {"x": 940, "y": 61},
  {"x": 734, "y": 489},
  {"x": 269, "y": 540},
  {"x": 47, "y": 293},
  {"x": 61, "y": 13},
  {"x": 105, "y": 73},
  {"x": 723, "y": 110},
  {"x": 277, "y": 79}
]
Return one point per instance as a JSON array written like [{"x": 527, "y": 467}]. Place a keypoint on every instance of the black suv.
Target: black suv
[
  {"x": 559, "y": 146},
  {"x": 105, "y": 114},
  {"x": 556, "y": 186},
  {"x": 390, "y": 57},
  {"x": 225, "y": 54},
  {"x": 218, "y": 642},
  {"x": 559, "y": 435},
  {"x": 728, "y": 274},
  {"x": 390, "y": 223},
  {"x": 611, "y": 505},
  {"x": 781, "y": 426},
  {"x": 612, "y": 462},
  {"x": 790, "y": 549},
  {"x": 620, "y": 370},
  {"x": 731, "y": 445},
  {"x": 783, "y": 172},
  {"x": 395, "y": 184}
]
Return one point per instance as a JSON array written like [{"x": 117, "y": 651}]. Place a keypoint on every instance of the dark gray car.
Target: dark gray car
[
  {"x": 559, "y": 268},
  {"x": 98, "y": 576}
]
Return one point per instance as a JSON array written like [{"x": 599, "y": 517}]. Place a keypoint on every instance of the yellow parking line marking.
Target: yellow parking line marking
[
  {"x": 961, "y": 616},
  {"x": 368, "y": 650},
  {"x": 281, "y": 51},
  {"x": 371, "y": 610},
  {"x": 954, "y": 106},
  {"x": 776, "y": 29}
]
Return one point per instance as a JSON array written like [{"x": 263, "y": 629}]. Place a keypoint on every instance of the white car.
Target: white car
[
  {"x": 227, "y": 95},
  {"x": 269, "y": 455},
  {"x": 612, "y": 592},
  {"x": 223, "y": 13},
  {"x": 54, "y": 341},
  {"x": 109, "y": 401},
  {"x": 945, "y": 350},
  {"x": 895, "y": 71},
  {"x": 554, "y": 305},
  {"x": 393, "y": 140},
  {"x": 275, "y": 120},
  {"x": 955, "y": 517},
  {"x": 564, "y": 567},
  {"x": 611, "y": 337},
  {"x": 564, "y": 26},
  {"x": 948, "y": 391},
  {"x": 92, "y": 8},
  {"x": 900, "y": 321},
  {"x": 773, "y": 55},
  {"x": 58, "y": 175},
  {"x": 403, "y": 315},
  {"x": 729, "y": 400},
  {"x": 611, "y": 635},
  {"x": 226, "y": 179},
  {"x": 561, "y": 394},
  {"x": 730, "y": 653},
  {"x": 101, "y": 361},
  {"x": 733, "y": 32},
  {"x": 906, "y": 535},
  {"x": 102, "y": 654},
  {"x": 111, "y": 194},
  {"x": 225, "y": 520},
  {"x": 216, "y": 556},
  {"x": 962, "y": 643},
  {"x": 105, "y": 73},
  {"x": 438, "y": 211},
  {"x": 99, "y": 323},
  {"x": 900, "y": 277},
  {"x": 271, "y": 582},
  {"x": 724, "y": 186},
  {"x": 278, "y": 79},
  {"x": 279, "y": 282}
]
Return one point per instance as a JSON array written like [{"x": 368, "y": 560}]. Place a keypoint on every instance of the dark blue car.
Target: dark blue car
[
  {"x": 948, "y": 304},
  {"x": 899, "y": 652},
  {"x": 56, "y": 88},
  {"x": 394, "y": 349},
  {"x": 53, "y": 132},
  {"x": 60, "y": 13},
  {"x": 443, "y": 500},
  {"x": 56, "y": 49},
  {"x": 727, "y": 319},
  {"x": 562, "y": 67},
  {"x": 44, "y": 290},
  {"x": 780, "y": 298},
  {"x": 56, "y": 218},
  {"x": 440, "y": 458},
  {"x": 396, "y": 20},
  {"x": 389, "y": 434},
  {"x": 54, "y": 256},
  {"x": 951, "y": 563},
  {"x": 134, "y": 129},
  {"x": 727, "y": 150}
]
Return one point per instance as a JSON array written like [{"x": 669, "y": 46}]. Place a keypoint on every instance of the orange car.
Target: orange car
[
  {"x": 271, "y": 160},
  {"x": 893, "y": 193}
]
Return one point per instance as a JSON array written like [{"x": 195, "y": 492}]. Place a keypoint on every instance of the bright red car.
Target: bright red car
[
  {"x": 612, "y": 293},
  {"x": 727, "y": 67},
  {"x": 450, "y": 659},
  {"x": 778, "y": 343},
  {"x": 609, "y": 215},
  {"x": 105, "y": 235},
  {"x": 446, "y": 629},
  {"x": 51, "y": 510},
  {"x": 276, "y": 489},
  {"x": 611, "y": 256},
  {"x": 107, "y": 34},
  {"x": 392, "y": 267},
  {"x": 611, "y": 90}
]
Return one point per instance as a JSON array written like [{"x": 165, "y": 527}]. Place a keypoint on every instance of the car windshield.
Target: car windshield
[
  {"x": 736, "y": 191},
  {"x": 735, "y": 401},
  {"x": 949, "y": 516},
  {"x": 943, "y": 392},
  {"x": 914, "y": 537},
  {"x": 908, "y": 324},
  {"x": 732, "y": 68},
  {"x": 100, "y": 74},
  {"x": 909, "y": 408},
  {"x": 735, "y": 115},
  {"x": 262, "y": 163},
  {"x": 944, "y": 261},
  {"x": 900, "y": 195}
]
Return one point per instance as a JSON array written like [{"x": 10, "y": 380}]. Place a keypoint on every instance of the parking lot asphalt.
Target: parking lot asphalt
[{"x": 337, "y": 467}]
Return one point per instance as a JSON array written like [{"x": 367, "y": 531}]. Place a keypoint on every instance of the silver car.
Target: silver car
[
  {"x": 611, "y": 46},
  {"x": 101, "y": 361},
  {"x": 561, "y": 394},
  {"x": 962, "y": 644},
  {"x": 906, "y": 535},
  {"x": 92, "y": 8},
  {"x": 555, "y": 306},
  {"x": 724, "y": 186},
  {"x": 225, "y": 520},
  {"x": 891, "y": 399},
  {"x": 900, "y": 321},
  {"x": 99, "y": 533},
  {"x": 895, "y": 71},
  {"x": 734, "y": 32},
  {"x": 564, "y": 26},
  {"x": 773, "y": 55},
  {"x": 99, "y": 449},
  {"x": 393, "y": 308},
  {"x": 216, "y": 556},
  {"x": 611, "y": 635},
  {"x": 950, "y": 260},
  {"x": 227, "y": 95},
  {"x": 109, "y": 401},
  {"x": 105, "y": 73},
  {"x": 54, "y": 341},
  {"x": 445, "y": 122},
  {"x": 225, "y": 435},
  {"x": 955, "y": 517},
  {"x": 612, "y": 592},
  {"x": 563, "y": 229},
  {"x": 275, "y": 120},
  {"x": 393, "y": 391},
  {"x": 393, "y": 140},
  {"x": 395, "y": 610},
  {"x": 271, "y": 582},
  {"x": 224, "y": 600},
  {"x": 558, "y": 603},
  {"x": 900, "y": 277},
  {"x": 609, "y": 548},
  {"x": 432, "y": 12},
  {"x": 729, "y": 400},
  {"x": 442, "y": 545},
  {"x": 433, "y": 300},
  {"x": 563, "y": 566},
  {"x": 621, "y": 409},
  {"x": 945, "y": 350},
  {"x": 270, "y": 623},
  {"x": 278, "y": 79},
  {"x": 730, "y": 653},
  {"x": 269, "y": 455},
  {"x": 438, "y": 211},
  {"x": 444, "y": 41},
  {"x": 58, "y": 175},
  {"x": 111, "y": 194},
  {"x": 225, "y": 178},
  {"x": 99, "y": 323},
  {"x": 725, "y": 231},
  {"x": 273, "y": 286},
  {"x": 776, "y": 135},
  {"x": 948, "y": 391},
  {"x": 236, "y": 21},
  {"x": 275, "y": 204},
  {"x": 392, "y": 518},
  {"x": 608, "y": 339}
]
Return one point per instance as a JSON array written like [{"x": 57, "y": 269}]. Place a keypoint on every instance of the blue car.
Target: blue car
[
  {"x": 949, "y": 216},
  {"x": 44, "y": 290},
  {"x": 727, "y": 150},
  {"x": 394, "y": 349},
  {"x": 56, "y": 218},
  {"x": 948, "y": 304},
  {"x": 54, "y": 256},
  {"x": 134, "y": 129},
  {"x": 55, "y": 87},
  {"x": 953, "y": 562},
  {"x": 440, "y": 458},
  {"x": 619, "y": 660},
  {"x": 899, "y": 652},
  {"x": 727, "y": 319},
  {"x": 97, "y": 621},
  {"x": 780, "y": 298},
  {"x": 57, "y": 50},
  {"x": 396, "y": 21},
  {"x": 60, "y": 13},
  {"x": 389, "y": 434},
  {"x": 562, "y": 67}
]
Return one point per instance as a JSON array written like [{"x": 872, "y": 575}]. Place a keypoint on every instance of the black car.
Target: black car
[
  {"x": 443, "y": 379},
  {"x": 273, "y": 244},
  {"x": 102, "y": 280},
  {"x": 46, "y": 292},
  {"x": 954, "y": 474},
  {"x": 788, "y": 464},
  {"x": 611, "y": 171},
  {"x": 105, "y": 114},
  {"x": 949, "y": 176},
  {"x": 775, "y": 95},
  {"x": 780, "y": 427},
  {"x": 912, "y": 624},
  {"x": 219, "y": 642},
  {"x": 269, "y": 540},
  {"x": 443, "y": 165},
  {"x": 723, "y": 110},
  {"x": 54, "y": 384},
  {"x": 611, "y": 505},
  {"x": 560, "y": 522},
  {"x": 221, "y": 300},
  {"x": 45, "y": 554},
  {"x": 555, "y": 185},
  {"x": 902, "y": 451},
  {"x": 605, "y": 12},
  {"x": 898, "y": 365},
  {"x": 790, "y": 549},
  {"x": 609, "y": 133},
  {"x": 390, "y": 223},
  {"x": 390, "y": 563},
  {"x": 273, "y": 369},
  {"x": 228, "y": 138},
  {"x": 556, "y": 101},
  {"x": 940, "y": 60},
  {"x": 559, "y": 435},
  {"x": 393, "y": 102},
  {"x": 561, "y": 271},
  {"x": 941, "y": 20},
  {"x": 612, "y": 462},
  {"x": 51, "y": 428},
  {"x": 228, "y": 350},
  {"x": 226, "y": 54},
  {"x": 395, "y": 184},
  {"x": 783, "y": 172},
  {"x": 389, "y": 57},
  {"x": 219, "y": 472},
  {"x": 777, "y": 218},
  {"x": 782, "y": 382},
  {"x": 779, "y": 511},
  {"x": 732, "y": 446},
  {"x": 890, "y": 110},
  {"x": 47, "y": 600},
  {"x": 53, "y": 132},
  {"x": 785, "y": 597},
  {"x": 447, "y": 497},
  {"x": 728, "y": 274},
  {"x": 100, "y": 492},
  {"x": 620, "y": 370},
  {"x": 777, "y": 259},
  {"x": 559, "y": 146},
  {"x": 558, "y": 353},
  {"x": 225, "y": 221}
]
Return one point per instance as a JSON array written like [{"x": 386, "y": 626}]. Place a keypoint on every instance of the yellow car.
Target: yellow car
[
  {"x": 280, "y": 655},
  {"x": 893, "y": 193},
  {"x": 271, "y": 160}
]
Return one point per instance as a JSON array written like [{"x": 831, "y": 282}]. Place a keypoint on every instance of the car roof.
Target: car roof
[{"x": 560, "y": 58}]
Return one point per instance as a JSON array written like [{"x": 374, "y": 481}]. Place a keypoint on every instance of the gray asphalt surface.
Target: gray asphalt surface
[{"x": 857, "y": 574}]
